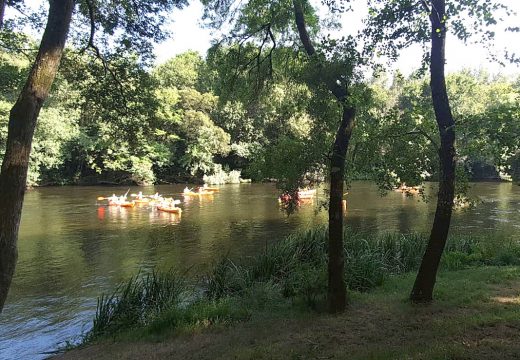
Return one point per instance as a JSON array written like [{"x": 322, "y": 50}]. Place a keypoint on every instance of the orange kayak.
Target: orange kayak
[
  {"x": 124, "y": 204},
  {"x": 173, "y": 210}
]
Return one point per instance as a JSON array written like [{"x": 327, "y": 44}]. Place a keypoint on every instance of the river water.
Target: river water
[{"x": 71, "y": 249}]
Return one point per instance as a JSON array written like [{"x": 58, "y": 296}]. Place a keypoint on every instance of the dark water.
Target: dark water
[{"x": 71, "y": 250}]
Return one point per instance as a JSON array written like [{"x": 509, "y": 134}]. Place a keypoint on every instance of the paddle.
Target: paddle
[
  {"x": 104, "y": 197},
  {"x": 109, "y": 197},
  {"x": 144, "y": 196}
]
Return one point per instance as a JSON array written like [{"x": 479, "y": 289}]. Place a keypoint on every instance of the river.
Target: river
[{"x": 71, "y": 249}]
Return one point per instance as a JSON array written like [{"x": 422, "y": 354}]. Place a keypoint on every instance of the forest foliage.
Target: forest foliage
[{"x": 193, "y": 116}]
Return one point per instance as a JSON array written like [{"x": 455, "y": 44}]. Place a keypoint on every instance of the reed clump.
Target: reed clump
[{"x": 290, "y": 272}]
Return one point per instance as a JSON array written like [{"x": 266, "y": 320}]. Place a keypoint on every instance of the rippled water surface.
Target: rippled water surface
[{"x": 71, "y": 249}]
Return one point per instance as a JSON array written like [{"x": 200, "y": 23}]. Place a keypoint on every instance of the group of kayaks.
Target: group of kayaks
[
  {"x": 160, "y": 202},
  {"x": 301, "y": 196},
  {"x": 409, "y": 190}
]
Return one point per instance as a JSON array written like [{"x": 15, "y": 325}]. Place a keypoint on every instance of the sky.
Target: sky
[{"x": 189, "y": 35}]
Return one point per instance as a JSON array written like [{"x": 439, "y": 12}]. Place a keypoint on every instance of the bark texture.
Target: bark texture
[
  {"x": 337, "y": 294},
  {"x": 424, "y": 283},
  {"x": 2, "y": 12},
  {"x": 22, "y": 122}
]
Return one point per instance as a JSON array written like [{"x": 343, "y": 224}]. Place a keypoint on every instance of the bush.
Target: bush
[
  {"x": 141, "y": 170},
  {"x": 221, "y": 177},
  {"x": 136, "y": 302}
]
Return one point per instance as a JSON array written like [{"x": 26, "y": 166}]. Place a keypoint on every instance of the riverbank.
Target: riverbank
[
  {"x": 475, "y": 316},
  {"x": 287, "y": 285}
]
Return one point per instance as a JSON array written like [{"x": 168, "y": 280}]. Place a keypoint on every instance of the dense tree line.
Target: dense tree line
[{"x": 178, "y": 121}]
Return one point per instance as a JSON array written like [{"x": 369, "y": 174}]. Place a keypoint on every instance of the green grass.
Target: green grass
[
  {"x": 289, "y": 276},
  {"x": 476, "y": 315},
  {"x": 137, "y": 302}
]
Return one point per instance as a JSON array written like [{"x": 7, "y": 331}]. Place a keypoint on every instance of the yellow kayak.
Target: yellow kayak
[
  {"x": 197, "y": 193},
  {"x": 142, "y": 201},
  {"x": 207, "y": 188},
  {"x": 173, "y": 210}
]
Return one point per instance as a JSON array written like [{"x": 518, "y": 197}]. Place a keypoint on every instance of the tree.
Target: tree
[
  {"x": 269, "y": 25},
  {"x": 397, "y": 24},
  {"x": 135, "y": 23},
  {"x": 2, "y": 12},
  {"x": 22, "y": 122},
  {"x": 423, "y": 287},
  {"x": 336, "y": 265}
]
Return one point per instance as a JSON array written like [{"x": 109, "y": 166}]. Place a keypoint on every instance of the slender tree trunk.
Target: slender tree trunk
[
  {"x": 337, "y": 294},
  {"x": 22, "y": 122},
  {"x": 2, "y": 12},
  {"x": 424, "y": 283}
]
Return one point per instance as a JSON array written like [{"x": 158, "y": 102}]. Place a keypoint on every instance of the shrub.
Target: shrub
[
  {"x": 136, "y": 302},
  {"x": 221, "y": 177}
]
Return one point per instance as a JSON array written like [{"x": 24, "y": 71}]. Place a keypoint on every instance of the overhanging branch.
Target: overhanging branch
[
  {"x": 334, "y": 85},
  {"x": 91, "y": 45},
  {"x": 420, "y": 132}
]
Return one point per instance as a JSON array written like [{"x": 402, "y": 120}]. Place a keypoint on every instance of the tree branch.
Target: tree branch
[
  {"x": 302, "y": 28},
  {"x": 426, "y": 7},
  {"x": 334, "y": 86},
  {"x": 99, "y": 56},
  {"x": 420, "y": 132}
]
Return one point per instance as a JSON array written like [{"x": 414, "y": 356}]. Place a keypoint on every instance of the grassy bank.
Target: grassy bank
[
  {"x": 289, "y": 281},
  {"x": 476, "y": 316}
]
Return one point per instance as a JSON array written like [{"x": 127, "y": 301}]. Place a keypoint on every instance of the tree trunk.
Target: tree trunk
[
  {"x": 22, "y": 122},
  {"x": 2, "y": 13},
  {"x": 424, "y": 283},
  {"x": 337, "y": 294}
]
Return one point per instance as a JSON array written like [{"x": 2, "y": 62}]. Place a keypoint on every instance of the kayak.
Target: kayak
[
  {"x": 306, "y": 194},
  {"x": 142, "y": 201},
  {"x": 207, "y": 188},
  {"x": 197, "y": 193},
  {"x": 408, "y": 189},
  {"x": 173, "y": 210},
  {"x": 123, "y": 204}
]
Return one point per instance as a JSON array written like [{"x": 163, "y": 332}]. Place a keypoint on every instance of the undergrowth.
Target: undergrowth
[{"x": 291, "y": 274}]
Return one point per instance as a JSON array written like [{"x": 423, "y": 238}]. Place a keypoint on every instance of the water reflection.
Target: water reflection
[{"x": 73, "y": 248}]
